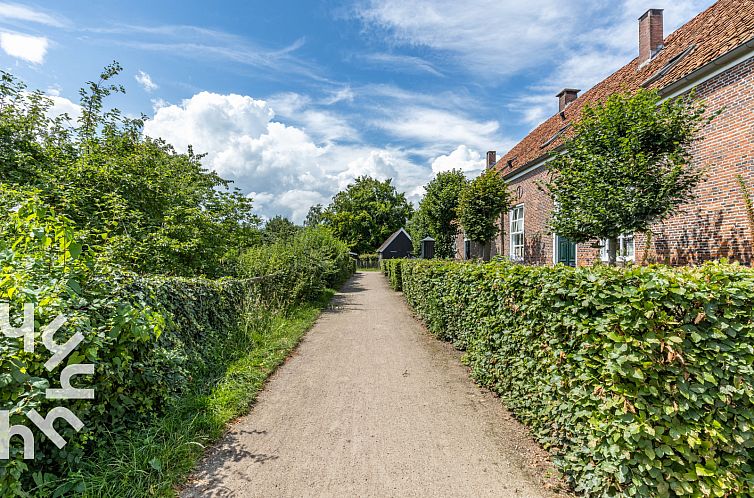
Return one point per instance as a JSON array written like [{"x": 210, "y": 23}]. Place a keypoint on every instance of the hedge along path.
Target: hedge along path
[{"x": 372, "y": 405}]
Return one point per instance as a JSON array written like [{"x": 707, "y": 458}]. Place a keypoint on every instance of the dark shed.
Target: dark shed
[{"x": 397, "y": 245}]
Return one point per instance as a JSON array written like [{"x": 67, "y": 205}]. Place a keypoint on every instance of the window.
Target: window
[
  {"x": 517, "y": 233},
  {"x": 466, "y": 249},
  {"x": 625, "y": 248}
]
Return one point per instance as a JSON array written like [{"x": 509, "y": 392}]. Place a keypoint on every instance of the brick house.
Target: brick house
[{"x": 713, "y": 54}]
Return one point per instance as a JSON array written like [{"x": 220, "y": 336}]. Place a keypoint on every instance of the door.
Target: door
[{"x": 566, "y": 251}]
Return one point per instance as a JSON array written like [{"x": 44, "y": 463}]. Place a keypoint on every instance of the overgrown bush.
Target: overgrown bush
[
  {"x": 639, "y": 380},
  {"x": 150, "y": 338},
  {"x": 310, "y": 262}
]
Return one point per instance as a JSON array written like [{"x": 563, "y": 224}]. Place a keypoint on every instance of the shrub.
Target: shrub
[
  {"x": 639, "y": 380},
  {"x": 150, "y": 338},
  {"x": 303, "y": 267},
  {"x": 392, "y": 269}
]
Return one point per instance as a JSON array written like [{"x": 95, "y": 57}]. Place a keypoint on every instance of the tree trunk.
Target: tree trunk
[{"x": 612, "y": 251}]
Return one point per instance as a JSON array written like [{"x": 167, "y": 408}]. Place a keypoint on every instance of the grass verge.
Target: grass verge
[{"x": 153, "y": 460}]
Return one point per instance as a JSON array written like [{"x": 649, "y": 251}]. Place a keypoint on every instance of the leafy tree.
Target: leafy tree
[
  {"x": 626, "y": 167},
  {"x": 366, "y": 213},
  {"x": 417, "y": 228},
  {"x": 157, "y": 210},
  {"x": 440, "y": 209},
  {"x": 314, "y": 216},
  {"x": 480, "y": 205},
  {"x": 278, "y": 229}
]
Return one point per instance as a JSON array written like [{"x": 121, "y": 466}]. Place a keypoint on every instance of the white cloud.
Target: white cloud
[
  {"x": 145, "y": 81},
  {"x": 61, "y": 105},
  {"x": 15, "y": 12},
  {"x": 282, "y": 167},
  {"x": 439, "y": 128},
  {"x": 402, "y": 63},
  {"x": 344, "y": 94},
  {"x": 467, "y": 160},
  {"x": 26, "y": 47}
]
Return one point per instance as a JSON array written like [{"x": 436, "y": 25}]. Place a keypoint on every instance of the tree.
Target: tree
[
  {"x": 440, "y": 209},
  {"x": 147, "y": 207},
  {"x": 279, "y": 229},
  {"x": 626, "y": 167},
  {"x": 479, "y": 206},
  {"x": 366, "y": 213},
  {"x": 314, "y": 216},
  {"x": 417, "y": 228}
]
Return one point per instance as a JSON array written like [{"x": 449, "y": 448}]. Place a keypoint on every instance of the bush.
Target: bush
[
  {"x": 392, "y": 269},
  {"x": 639, "y": 380},
  {"x": 150, "y": 338},
  {"x": 303, "y": 267}
]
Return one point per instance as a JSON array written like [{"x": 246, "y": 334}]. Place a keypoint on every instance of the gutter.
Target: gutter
[{"x": 722, "y": 63}]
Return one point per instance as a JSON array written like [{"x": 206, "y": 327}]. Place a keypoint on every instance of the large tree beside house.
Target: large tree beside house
[
  {"x": 366, "y": 213},
  {"x": 626, "y": 166},
  {"x": 480, "y": 205},
  {"x": 439, "y": 210}
]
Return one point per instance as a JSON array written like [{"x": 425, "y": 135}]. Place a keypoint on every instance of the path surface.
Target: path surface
[{"x": 371, "y": 405}]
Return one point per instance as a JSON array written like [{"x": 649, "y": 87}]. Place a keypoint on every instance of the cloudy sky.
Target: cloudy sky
[{"x": 294, "y": 99}]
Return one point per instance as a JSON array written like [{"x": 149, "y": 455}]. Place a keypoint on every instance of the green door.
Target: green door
[{"x": 566, "y": 251}]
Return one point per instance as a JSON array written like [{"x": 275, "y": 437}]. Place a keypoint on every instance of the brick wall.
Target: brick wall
[{"x": 713, "y": 226}]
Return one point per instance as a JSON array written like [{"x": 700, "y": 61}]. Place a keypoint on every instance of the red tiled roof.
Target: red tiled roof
[{"x": 721, "y": 28}]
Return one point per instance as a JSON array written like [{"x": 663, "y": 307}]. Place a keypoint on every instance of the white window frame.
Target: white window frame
[
  {"x": 511, "y": 233},
  {"x": 622, "y": 245}
]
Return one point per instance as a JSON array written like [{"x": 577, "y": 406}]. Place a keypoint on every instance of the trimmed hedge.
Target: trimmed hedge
[
  {"x": 639, "y": 380},
  {"x": 392, "y": 269}
]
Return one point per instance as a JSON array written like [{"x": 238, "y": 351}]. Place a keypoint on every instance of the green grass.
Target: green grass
[{"x": 153, "y": 460}]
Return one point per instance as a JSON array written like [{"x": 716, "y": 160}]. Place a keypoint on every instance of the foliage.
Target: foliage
[
  {"x": 153, "y": 340},
  {"x": 152, "y": 459},
  {"x": 278, "y": 229},
  {"x": 366, "y": 213},
  {"x": 748, "y": 204},
  {"x": 392, "y": 269},
  {"x": 417, "y": 228},
  {"x": 639, "y": 379},
  {"x": 439, "y": 210},
  {"x": 480, "y": 205},
  {"x": 303, "y": 267},
  {"x": 626, "y": 166},
  {"x": 314, "y": 216},
  {"x": 371, "y": 260},
  {"x": 158, "y": 211}
]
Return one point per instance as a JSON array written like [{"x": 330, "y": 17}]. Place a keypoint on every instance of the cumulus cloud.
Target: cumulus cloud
[
  {"x": 282, "y": 167},
  {"x": 27, "y": 47},
  {"x": 145, "y": 81},
  {"x": 467, "y": 160},
  {"x": 61, "y": 105}
]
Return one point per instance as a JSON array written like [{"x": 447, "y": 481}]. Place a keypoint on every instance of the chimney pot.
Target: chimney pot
[
  {"x": 651, "y": 35},
  {"x": 565, "y": 97},
  {"x": 491, "y": 158}
]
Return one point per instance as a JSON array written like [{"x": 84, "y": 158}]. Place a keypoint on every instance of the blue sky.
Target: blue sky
[{"x": 293, "y": 99}]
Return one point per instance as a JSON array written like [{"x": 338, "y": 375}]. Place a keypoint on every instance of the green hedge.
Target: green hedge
[
  {"x": 151, "y": 339},
  {"x": 639, "y": 380},
  {"x": 303, "y": 267},
  {"x": 392, "y": 269}
]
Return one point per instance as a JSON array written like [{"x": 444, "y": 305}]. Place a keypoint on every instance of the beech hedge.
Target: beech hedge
[{"x": 639, "y": 380}]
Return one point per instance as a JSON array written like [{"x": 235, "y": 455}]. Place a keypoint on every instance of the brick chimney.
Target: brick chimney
[
  {"x": 565, "y": 97},
  {"x": 651, "y": 35},
  {"x": 491, "y": 158}
]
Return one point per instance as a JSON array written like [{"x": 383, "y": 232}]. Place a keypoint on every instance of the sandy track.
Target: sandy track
[{"x": 372, "y": 405}]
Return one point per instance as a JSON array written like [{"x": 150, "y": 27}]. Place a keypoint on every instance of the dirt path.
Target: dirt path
[{"x": 372, "y": 405}]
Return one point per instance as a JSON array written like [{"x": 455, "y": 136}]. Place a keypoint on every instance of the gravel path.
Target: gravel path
[{"x": 371, "y": 405}]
